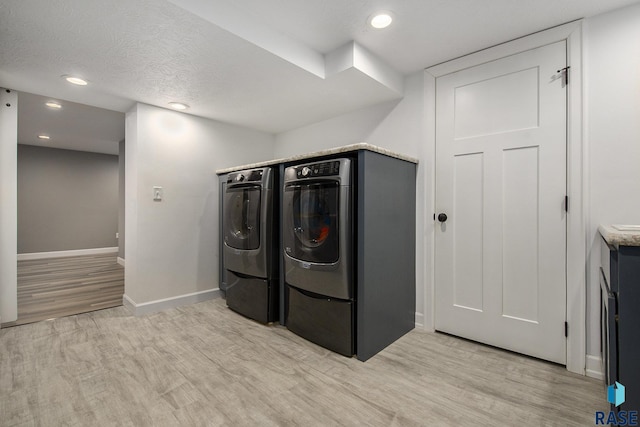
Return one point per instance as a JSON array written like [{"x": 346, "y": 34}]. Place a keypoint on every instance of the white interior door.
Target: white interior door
[{"x": 501, "y": 180}]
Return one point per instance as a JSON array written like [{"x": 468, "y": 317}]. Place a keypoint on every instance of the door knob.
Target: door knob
[{"x": 442, "y": 217}]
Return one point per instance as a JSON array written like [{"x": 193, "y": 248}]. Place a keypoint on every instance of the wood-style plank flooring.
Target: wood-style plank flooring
[
  {"x": 57, "y": 287},
  {"x": 204, "y": 365}
]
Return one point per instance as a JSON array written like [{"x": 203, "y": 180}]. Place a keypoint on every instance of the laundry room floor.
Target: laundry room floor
[
  {"x": 58, "y": 287},
  {"x": 206, "y": 365}
]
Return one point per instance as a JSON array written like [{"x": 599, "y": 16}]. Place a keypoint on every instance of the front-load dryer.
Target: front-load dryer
[
  {"x": 250, "y": 246},
  {"x": 318, "y": 250}
]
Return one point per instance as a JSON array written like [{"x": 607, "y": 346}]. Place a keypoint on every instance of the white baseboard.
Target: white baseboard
[
  {"x": 62, "y": 254},
  {"x": 121, "y": 261},
  {"x": 594, "y": 367},
  {"x": 419, "y": 320},
  {"x": 166, "y": 303}
]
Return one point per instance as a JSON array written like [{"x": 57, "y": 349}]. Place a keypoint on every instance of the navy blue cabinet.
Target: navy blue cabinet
[{"x": 620, "y": 319}]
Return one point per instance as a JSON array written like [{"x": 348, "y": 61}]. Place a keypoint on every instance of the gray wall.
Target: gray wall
[
  {"x": 67, "y": 200},
  {"x": 121, "y": 188}
]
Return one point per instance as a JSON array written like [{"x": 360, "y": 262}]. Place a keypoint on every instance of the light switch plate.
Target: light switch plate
[{"x": 158, "y": 194}]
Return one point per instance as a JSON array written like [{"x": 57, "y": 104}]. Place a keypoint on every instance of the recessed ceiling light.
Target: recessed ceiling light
[
  {"x": 54, "y": 105},
  {"x": 178, "y": 105},
  {"x": 44, "y": 137},
  {"x": 75, "y": 80},
  {"x": 381, "y": 19}
]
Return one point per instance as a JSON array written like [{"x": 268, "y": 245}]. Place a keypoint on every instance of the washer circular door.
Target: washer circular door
[{"x": 242, "y": 217}]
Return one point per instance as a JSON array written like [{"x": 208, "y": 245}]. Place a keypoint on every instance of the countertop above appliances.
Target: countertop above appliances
[
  {"x": 317, "y": 154},
  {"x": 621, "y": 234}
]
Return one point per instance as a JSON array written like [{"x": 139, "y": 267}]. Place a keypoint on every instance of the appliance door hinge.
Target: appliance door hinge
[
  {"x": 565, "y": 73},
  {"x": 566, "y": 329},
  {"x": 566, "y": 203}
]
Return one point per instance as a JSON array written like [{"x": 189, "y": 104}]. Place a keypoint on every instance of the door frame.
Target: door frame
[{"x": 576, "y": 170}]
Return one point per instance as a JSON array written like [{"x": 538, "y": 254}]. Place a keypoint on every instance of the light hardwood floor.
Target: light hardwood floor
[
  {"x": 204, "y": 365},
  {"x": 57, "y": 287}
]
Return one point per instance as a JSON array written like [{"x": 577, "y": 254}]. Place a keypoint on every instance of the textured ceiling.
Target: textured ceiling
[
  {"x": 73, "y": 127},
  {"x": 155, "y": 52},
  {"x": 255, "y": 63}
]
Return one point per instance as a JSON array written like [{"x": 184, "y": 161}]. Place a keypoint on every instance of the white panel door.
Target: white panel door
[{"x": 501, "y": 181}]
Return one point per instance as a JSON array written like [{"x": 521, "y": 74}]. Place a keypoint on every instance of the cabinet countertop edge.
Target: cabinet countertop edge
[
  {"x": 616, "y": 237},
  {"x": 336, "y": 150}
]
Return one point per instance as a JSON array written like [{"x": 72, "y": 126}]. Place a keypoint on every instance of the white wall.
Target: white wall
[
  {"x": 342, "y": 130},
  {"x": 404, "y": 130},
  {"x": 398, "y": 126},
  {"x": 612, "y": 117},
  {"x": 171, "y": 246},
  {"x": 8, "y": 205}
]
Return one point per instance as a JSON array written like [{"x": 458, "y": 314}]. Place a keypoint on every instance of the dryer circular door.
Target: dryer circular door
[
  {"x": 242, "y": 217},
  {"x": 312, "y": 221}
]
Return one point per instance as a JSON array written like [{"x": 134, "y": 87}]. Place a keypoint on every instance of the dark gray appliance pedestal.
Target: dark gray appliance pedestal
[
  {"x": 252, "y": 297},
  {"x": 327, "y": 322}
]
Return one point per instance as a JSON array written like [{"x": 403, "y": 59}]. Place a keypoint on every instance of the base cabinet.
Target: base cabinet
[{"x": 620, "y": 320}]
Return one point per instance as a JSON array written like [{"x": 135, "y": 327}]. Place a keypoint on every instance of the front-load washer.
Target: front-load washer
[
  {"x": 250, "y": 243},
  {"x": 318, "y": 245}
]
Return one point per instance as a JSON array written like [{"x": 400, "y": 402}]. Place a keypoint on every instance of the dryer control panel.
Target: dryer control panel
[
  {"x": 330, "y": 170},
  {"x": 318, "y": 169},
  {"x": 245, "y": 176}
]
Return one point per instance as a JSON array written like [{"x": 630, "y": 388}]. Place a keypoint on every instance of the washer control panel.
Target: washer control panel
[
  {"x": 313, "y": 170},
  {"x": 245, "y": 176}
]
